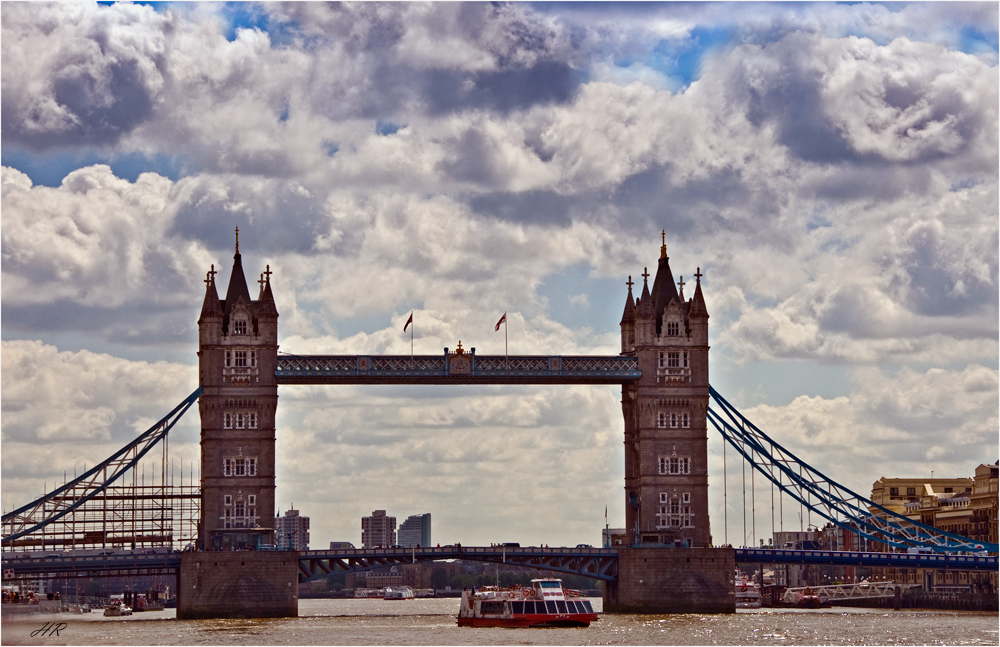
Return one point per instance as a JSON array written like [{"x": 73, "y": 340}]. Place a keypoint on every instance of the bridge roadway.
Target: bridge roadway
[
  {"x": 452, "y": 368},
  {"x": 597, "y": 563}
]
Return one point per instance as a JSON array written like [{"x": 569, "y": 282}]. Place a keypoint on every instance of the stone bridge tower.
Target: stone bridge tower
[
  {"x": 238, "y": 355},
  {"x": 666, "y": 432}
]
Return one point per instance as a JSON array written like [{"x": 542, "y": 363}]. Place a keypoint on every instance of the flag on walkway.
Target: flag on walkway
[
  {"x": 502, "y": 320},
  {"x": 408, "y": 322}
]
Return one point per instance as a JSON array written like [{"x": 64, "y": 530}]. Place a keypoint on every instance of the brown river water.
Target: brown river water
[{"x": 432, "y": 622}]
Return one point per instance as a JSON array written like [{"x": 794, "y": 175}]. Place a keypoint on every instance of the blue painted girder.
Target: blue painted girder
[{"x": 443, "y": 369}]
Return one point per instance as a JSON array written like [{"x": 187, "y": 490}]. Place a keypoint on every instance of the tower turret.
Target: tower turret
[
  {"x": 238, "y": 356},
  {"x": 666, "y": 451}
]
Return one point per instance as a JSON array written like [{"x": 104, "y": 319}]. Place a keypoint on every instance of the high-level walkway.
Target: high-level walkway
[{"x": 451, "y": 368}]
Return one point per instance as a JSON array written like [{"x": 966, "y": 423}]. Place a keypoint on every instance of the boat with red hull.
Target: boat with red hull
[{"x": 543, "y": 604}]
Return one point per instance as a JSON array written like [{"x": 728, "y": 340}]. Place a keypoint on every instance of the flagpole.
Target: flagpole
[
  {"x": 411, "y": 341},
  {"x": 505, "y": 361}
]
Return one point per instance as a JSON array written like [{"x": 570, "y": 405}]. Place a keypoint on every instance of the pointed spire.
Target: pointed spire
[
  {"x": 644, "y": 307},
  {"x": 237, "y": 281},
  {"x": 210, "y": 307},
  {"x": 698, "y": 308},
  {"x": 664, "y": 288},
  {"x": 265, "y": 302},
  {"x": 628, "y": 316}
]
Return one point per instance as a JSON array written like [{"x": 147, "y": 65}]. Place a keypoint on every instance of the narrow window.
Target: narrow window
[
  {"x": 673, "y": 421},
  {"x": 227, "y": 420},
  {"x": 661, "y": 421},
  {"x": 251, "y": 467},
  {"x": 253, "y": 358},
  {"x": 251, "y": 420},
  {"x": 685, "y": 420},
  {"x": 239, "y": 420},
  {"x": 227, "y": 467},
  {"x": 227, "y": 499},
  {"x": 252, "y": 499},
  {"x": 685, "y": 358},
  {"x": 229, "y": 358},
  {"x": 240, "y": 468},
  {"x": 663, "y": 467}
]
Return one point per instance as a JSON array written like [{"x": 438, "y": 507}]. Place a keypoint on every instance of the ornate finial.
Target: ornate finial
[
  {"x": 645, "y": 275},
  {"x": 267, "y": 273},
  {"x": 260, "y": 281},
  {"x": 629, "y": 283},
  {"x": 237, "y": 240},
  {"x": 459, "y": 349},
  {"x": 698, "y": 275},
  {"x": 681, "y": 284},
  {"x": 210, "y": 278},
  {"x": 663, "y": 247}
]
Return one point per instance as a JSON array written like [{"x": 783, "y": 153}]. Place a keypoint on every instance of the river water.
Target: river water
[{"x": 432, "y": 622}]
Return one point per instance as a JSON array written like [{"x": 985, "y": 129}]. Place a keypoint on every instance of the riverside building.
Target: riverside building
[
  {"x": 292, "y": 531},
  {"x": 378, "y": 530},
  {"x": 416, "y": 531}
]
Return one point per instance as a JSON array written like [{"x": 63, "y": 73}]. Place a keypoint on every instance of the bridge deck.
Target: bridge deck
[
  {"x": 598, "y": 563},
  {"x": 468, "y": 368},
  {"x": 838, "y": 557}
]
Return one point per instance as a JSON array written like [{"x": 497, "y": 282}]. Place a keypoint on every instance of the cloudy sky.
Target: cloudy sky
[{"x": 832, "y": 169}]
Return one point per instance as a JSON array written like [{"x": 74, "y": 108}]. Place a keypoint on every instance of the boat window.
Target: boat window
[
  {"x": 549, "y": 585},
  {"x": 561, "y": 605},
  {"x": 550, "y": 606},
  {"x": 586, "y": 606},
  {"x": 573, "y": 607},
  {"x": 517, "y": 607},
  {"x": 492, "y": 606},
  {"x": 539, "y": 607}
]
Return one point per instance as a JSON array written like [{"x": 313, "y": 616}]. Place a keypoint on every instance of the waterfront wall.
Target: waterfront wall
[
  {"x": 243, "y": 584},
  {"x": 673, "y": 580},
  {"x": 918, "y": 599}
]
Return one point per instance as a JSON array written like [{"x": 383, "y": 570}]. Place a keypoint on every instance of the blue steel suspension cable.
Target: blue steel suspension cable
[{"x": 833, "y": 500}]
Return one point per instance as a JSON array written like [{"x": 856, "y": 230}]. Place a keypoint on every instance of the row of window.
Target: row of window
[
  {"x": 241, "y": 358},
  {"x": 673, "y": 420},
  {"x": 239, "y": 513},
  {"x": 239, "y": 467},
  {"x": 675, "y": 464},
  {"x": 239, "y": 420},
  {"x": 675, "y": 512},
  {"x": 674, "y": 359}
]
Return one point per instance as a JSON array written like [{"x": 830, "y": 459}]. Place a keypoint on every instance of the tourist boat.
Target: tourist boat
[
  {"x": 543, "y": 604},
  {"x": 400, "y": 593},
  {"x": 747, "y": 592},
  {"x": 369, "y": 593}
]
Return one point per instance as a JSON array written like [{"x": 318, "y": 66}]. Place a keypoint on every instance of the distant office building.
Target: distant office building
[
  {"x": 378, "y": 530},
  {"x": 292, "y": 531},
  {"x": 416, "y": 531}
]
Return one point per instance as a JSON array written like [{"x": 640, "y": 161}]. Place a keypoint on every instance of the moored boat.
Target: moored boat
[
  {"x": 543, "y": 604},
  {"x": 747, "y": 592},
  {"x": 116, "y": 608}
]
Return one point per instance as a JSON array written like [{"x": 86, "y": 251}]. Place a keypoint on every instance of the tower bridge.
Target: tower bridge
[{"x": 666, "y": 396}]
